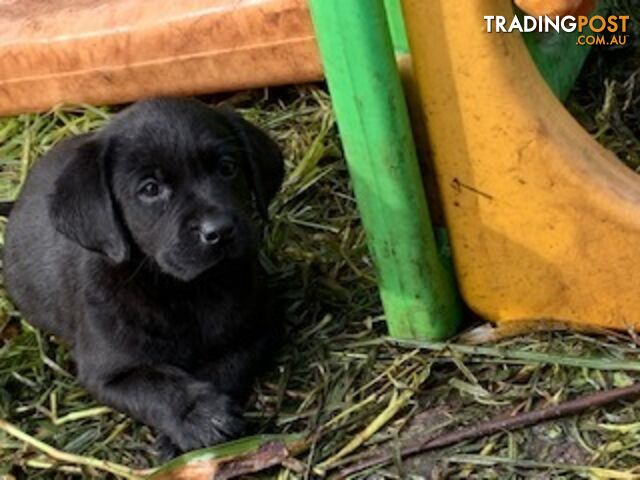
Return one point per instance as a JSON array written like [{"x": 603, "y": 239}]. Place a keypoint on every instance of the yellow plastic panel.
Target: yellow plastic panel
[{"x": 544, "y": 222}]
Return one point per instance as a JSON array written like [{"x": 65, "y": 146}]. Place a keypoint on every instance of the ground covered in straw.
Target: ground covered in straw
[{"x": 337, "y": 370}]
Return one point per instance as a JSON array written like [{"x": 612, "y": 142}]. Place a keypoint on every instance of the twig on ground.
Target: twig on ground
[{"x": 384, "y": 455}]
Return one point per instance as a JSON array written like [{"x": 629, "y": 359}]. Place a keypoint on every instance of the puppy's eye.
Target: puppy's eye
[
  {"x": 227, "y": 167},
  {"x": 149, "y": 189}
]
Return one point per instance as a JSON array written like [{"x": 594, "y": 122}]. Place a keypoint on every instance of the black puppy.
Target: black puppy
[{"x": 136, "y": 246}]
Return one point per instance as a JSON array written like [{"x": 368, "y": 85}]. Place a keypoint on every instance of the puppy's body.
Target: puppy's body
[{"x": 136, "y": 246}]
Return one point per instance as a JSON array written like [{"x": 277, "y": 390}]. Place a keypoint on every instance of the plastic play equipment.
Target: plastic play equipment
[
  {"x": 90, "y": 51},
  {"x": 542, "y": 221},
  {"x": 416, "y": 288},
  {"x": 513, "y": 169}
]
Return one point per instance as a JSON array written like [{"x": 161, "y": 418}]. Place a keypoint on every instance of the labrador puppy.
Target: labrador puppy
[{"x": 137, "y": 246}]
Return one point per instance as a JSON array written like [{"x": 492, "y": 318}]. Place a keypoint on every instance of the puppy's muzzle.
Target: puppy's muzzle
[{"x": 216, "y": 229}]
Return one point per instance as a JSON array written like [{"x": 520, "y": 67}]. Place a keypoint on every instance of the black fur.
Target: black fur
[
  {"x": 136, "y": 246},
  {"x": 5, "y": 208}
]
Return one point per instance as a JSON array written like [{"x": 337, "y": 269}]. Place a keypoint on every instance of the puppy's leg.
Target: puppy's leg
[
  {"x": 192, "y": 413},
  {"x": 165, "y": 448},
  {"x": 235, "y": 373},
  {"x": 126, "y": 370},
  {"x": 230, "y": 377}
]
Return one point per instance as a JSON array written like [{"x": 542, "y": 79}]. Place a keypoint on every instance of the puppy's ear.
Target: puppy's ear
[
  {"x": 82, "y": 208},
  {"x": 264, "y": 159}
]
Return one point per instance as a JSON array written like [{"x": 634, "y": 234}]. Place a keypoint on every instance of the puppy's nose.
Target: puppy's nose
[{"x": 215, "y": 230}]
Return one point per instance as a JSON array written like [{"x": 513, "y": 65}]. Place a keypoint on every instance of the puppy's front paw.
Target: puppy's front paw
[
  {"x": 165, "y": 448},
  {"x": 211, "y": 420}
]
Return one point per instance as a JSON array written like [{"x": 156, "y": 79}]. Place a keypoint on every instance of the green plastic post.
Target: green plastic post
[
  {"x": 558, "y": 56},
  {"x": 396, "y": 26},
  {"x": 417, "y": 290}
]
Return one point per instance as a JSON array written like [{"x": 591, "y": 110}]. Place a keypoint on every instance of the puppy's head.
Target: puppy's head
[{"x": 174, "y": 179}]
